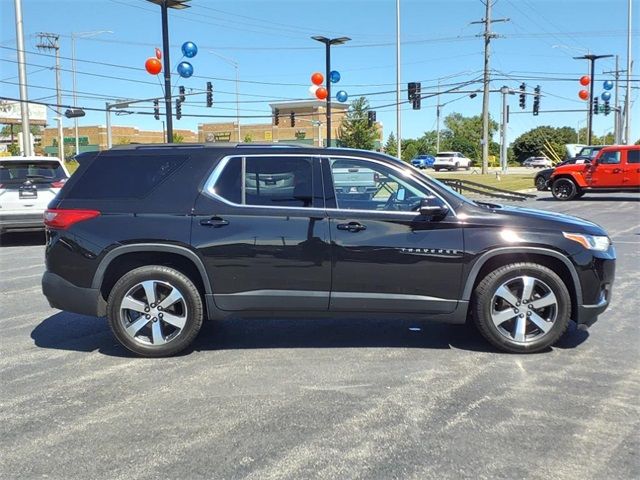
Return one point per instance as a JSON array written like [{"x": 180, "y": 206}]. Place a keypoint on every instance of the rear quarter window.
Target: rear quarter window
[{"x": 124, "y": 176}]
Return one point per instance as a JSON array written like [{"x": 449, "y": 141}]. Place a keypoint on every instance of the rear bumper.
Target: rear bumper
[
  {"x": 64, "y": 295},
  {"x": 22, "y": 221}
]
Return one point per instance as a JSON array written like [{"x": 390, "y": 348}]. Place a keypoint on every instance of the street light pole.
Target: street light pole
[
  {"x": 75, "y": 35},
  {"x": 328, "y": 42},
  {"x": 22, "y": 80},
  {"x": 592, "y": 61},
  {"x": 398, "y": 109},
  {"x": 627, "y": 109},
  {"x": 165, "y": 5},
  {"x": 235, "y": 65}
]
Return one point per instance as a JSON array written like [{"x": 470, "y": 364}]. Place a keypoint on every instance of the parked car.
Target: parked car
[
  {"x": 27, "y": 185},
  {"x": 423, "y": 161},
  {"x": 189, "y": 234},
  {"x": 537, "y": 162},
  {"x": 354, "y": 182},
  {"x": 614, "y": 169},
  {"x": 451, "y": 161},
  {"x": 589, "y": 151},
  {"x": 541, "y": 180}
]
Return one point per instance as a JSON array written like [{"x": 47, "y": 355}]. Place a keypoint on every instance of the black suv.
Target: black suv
[{"x": 160, "y": 237}]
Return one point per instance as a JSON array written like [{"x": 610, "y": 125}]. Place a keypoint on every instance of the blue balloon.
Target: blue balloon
[
  {"x": 342, "y": 96},
  {"x": 607, "y": 84},
  {"x": 185, "y": 69},
  {"x": 606, "y": 96},
  {"x": 189, "y": 49},
  {"x": 334, "y": 76}
]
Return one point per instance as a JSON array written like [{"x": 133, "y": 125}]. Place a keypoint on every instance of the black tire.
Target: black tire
[
  {"x": 190, "y": 305},
  {"x": 564, "y": 189},
  {"x": 484, "y": 298},
  {"x": 541, "y": 183},
  {"x": 456, "y": 166},
  {"x": 436, "y": 169},
  {"x": 580, "y": 194},
  {"x": 468, "y": 167}
]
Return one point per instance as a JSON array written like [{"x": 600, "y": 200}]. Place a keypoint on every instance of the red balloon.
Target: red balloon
[
  {"x": 583, "y": 94},
  {"x": 585, "y": 80},
  {"x": 158, "y": 54},
  {"x": 153, "y": 66},
  {"x": 321, "y": 93},
  {"x": 317, "y": 78}
]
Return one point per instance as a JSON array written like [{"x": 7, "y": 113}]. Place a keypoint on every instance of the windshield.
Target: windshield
[{"x": 33, "y": 170}]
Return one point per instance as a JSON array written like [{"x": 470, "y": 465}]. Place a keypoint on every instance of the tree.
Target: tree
[
  {"x": 355, "y": 131},
  {"x": 544, "y": 140},
  {"x": 6, "y": 130},
  {"x": 177, "y": 138},
  {"x": 248, "y": 138},
  {"x": 391, "y": 147},
  {"x": 463, "y": 134}
]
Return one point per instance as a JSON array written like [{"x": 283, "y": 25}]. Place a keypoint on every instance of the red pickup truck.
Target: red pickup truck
[{"x": 615, "y": 169}]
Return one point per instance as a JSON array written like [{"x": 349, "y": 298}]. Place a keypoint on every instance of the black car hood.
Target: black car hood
[{"x": 529, "y": 218}]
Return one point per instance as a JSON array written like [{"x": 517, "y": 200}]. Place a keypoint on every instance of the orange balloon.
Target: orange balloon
[
  {"x": 321, "y": 93},
  {"x": 317, "y": 78},
  {"x": 584, "y": 80},
  {"x": 583, "y": 94},
  {"x": 153, "y": 66}
]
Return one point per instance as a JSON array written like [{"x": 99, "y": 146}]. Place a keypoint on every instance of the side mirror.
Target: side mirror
[{"x": 432, "y": 207}]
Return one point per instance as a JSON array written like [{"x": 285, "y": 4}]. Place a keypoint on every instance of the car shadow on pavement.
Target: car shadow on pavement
[
  {"x": 594, "y": 198},
  {"x": 68, "y": 331},
  {"x": 22, "y": 239}
]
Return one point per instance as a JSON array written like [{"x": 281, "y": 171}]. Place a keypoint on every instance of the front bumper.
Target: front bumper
[
  {"x": 64, "y": 295},
  {"x": 597, "y": 274},
  {"x": 21, "y": 221}
]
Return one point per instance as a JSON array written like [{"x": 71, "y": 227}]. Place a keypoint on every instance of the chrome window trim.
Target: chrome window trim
[{"x": 209, "y": 186}]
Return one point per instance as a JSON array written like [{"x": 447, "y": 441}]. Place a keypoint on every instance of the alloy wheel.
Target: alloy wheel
[
  {"x": 153, "y": 312},
  {"x": 524, "y": 309}
]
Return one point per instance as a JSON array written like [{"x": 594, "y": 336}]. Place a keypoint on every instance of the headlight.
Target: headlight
[{"x": 590, "y": 242}]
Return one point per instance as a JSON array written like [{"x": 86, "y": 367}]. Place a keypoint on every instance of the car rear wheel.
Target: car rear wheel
[
  {"x": 456, "y": 166},
  {"x": 541, "y": 183},
  {"x": 522, "y": 307},
  {"x": 564, "y": 189},
  {"x": 155, "y": 311}
]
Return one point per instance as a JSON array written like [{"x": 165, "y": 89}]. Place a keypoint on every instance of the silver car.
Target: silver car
[{"x": 27, "y": 185}]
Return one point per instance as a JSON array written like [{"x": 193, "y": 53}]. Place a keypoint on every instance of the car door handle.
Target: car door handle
[
  {"x": 351, "y": 227},
  {"x": 215, "y": 222},
  {"x": 617, "y": 170}
]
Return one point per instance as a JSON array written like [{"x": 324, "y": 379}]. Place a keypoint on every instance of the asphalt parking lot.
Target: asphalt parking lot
[{"x": 330, "y": 399}]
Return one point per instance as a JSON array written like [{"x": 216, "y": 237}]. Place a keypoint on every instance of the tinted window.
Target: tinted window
[
  {"x": 36, "y": 171},
  {"x": 364, "y": 185},
  {"x": 268, "y": 181},
  {"x": 125, "y": 176},
  {"x": 633, "y": 156},
  {"x": 609, "y": 158}
]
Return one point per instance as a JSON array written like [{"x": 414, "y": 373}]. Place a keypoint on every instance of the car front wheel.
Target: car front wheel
[
  {"x": 564, "y": 189},
  {"x": 541, "y": 183},
  {"x": 522, "y": 307},
  {"x": 155, "y": 311}
]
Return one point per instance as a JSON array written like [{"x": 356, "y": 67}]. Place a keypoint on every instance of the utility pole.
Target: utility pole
[
  {"x": 22, "y": 80},
  {"x": 627, "y": 106},
  {"x": 488, "y": 35},
  {"x": 398, "y": 109},
  {"x": 438, "y": 120},
  {"x": 617, "y": 124},
  {"x": 505, "y": 120},
  {"x": 592, "y": 61},
  {"x": 48, "y": 42}
]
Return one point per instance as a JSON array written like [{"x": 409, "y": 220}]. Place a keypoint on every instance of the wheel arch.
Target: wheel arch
[
  {"x": 127, "y": 257},
  {"x": 551, "y": 259},
  {"x": 579, "y": 182}
]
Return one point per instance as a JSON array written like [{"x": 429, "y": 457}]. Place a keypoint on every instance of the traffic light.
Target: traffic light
[
  {"x": 413, "y": 94},
  {"x": 596, "y": 106},
  {"x": 209, "y": 94},
  {"x": 607, "y": 107},
  {"x": 523, "y": 96},
  {"x": 536, "y": 100},
  {"x": 74, "y": 113},
  {"x": 371, "y": 118},
  {"x": 178, "y": 109},
  {"x": 181, "y": 90},
  {"x": 293, "y": 119},
  {"x": 156, "y": 109},
  {"x": 276, "y": 116}
]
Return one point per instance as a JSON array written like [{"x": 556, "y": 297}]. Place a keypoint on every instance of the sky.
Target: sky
[{"x": 270, "y": 42}]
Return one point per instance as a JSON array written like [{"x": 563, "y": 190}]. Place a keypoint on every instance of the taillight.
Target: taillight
[
  {"x": 59, "y": 183},
  {"x": 63, "y": 219}
]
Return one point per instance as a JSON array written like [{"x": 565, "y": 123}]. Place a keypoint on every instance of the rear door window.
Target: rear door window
[
  {"x": 633, "y": 156},
  {"x": 125, "y": 176}
]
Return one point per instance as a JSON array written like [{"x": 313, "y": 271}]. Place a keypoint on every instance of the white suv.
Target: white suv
[
  {"x": 27, "y": 185},
  {"x": 451, "y": 161}
]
